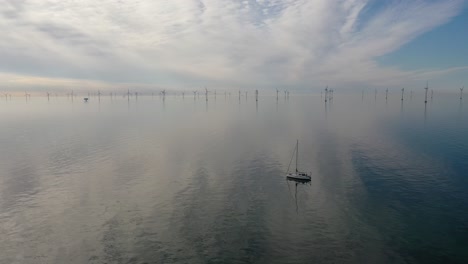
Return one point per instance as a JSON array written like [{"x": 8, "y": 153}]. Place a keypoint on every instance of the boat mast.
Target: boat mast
[{"x": 297, "y": 152}]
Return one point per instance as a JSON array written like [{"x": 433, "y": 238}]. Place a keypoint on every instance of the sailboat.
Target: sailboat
[{"x": 297, "y": 175}]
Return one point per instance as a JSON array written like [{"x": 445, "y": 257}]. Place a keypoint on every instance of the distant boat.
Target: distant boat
[
  {"x": 86, "y": 99},
  {"x": 297, "y": 175}
]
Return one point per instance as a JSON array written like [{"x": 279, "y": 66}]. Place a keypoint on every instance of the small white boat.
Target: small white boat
[{"x": 297, "y": 175}]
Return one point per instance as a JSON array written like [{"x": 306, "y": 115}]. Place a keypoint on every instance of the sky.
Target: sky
[{"x": 299, "y": 45}]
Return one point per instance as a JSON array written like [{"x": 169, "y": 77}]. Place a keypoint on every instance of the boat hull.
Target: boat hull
[{"x": 300, "y": 176}]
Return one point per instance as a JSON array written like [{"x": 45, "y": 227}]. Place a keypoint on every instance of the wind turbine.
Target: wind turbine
[
  {"x": 277, "y": 91},
  {"x": 256, "y": 95},
  {"x": 402, "y": 92},
  {"x": 386, "y": 94},
  {"x": 326, "y": 93},
  {"x": 425, "y": 96},
  {"x": 461, "y": 92}
]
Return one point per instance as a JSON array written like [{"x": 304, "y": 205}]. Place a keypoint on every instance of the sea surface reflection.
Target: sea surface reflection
[{"x": 190, "y": 180}]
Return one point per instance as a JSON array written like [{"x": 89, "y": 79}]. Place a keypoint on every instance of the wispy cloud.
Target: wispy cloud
[{"x": 188, "y": 43}]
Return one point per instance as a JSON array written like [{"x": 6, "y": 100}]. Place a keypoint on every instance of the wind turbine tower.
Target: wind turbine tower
[
  {"x": 427, "y": 88},
  {"x": 326, "y": 94}
]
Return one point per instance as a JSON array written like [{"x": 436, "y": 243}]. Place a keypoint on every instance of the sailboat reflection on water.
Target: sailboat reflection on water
[{"x": 296, "y": 183}]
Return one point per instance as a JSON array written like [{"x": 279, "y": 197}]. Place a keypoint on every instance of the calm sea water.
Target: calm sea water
[{"x": 190, "y": 181}]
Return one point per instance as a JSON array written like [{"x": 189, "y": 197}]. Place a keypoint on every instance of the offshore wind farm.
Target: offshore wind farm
[{"x": 256, "y": 131}]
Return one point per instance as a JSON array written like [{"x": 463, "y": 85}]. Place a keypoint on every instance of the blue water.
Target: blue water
[{"x": 186, "y": 180}]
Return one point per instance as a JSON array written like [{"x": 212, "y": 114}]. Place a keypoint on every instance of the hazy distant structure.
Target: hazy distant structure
[
  {"x": 206, "y": 94},
  {"x": 48, "y": 96},
  {"x": 432, "y": 94},
  {"x": 461, "y": 92},
  {"x": 425, "y": 96},
  {"x": 375, "y": 94},
  {"x": 239, "y": 94},
  {"x": 99, "y": 95},
  {"x": 330, "y": 95},
  {"x": 128, "y": 95},
  {"x": 194, "y": 95},
  {"x": 256, "y": 95},
  {"x": 386, "y": 94},
  {"x": 402, "y": 93},
  {"x": 277, "y": 91},
  {"x": 362, "y": 94},
  {"x": 326, "y": 94}
]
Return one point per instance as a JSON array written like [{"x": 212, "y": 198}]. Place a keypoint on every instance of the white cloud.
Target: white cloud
[{"x": 188, "y": 43}]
